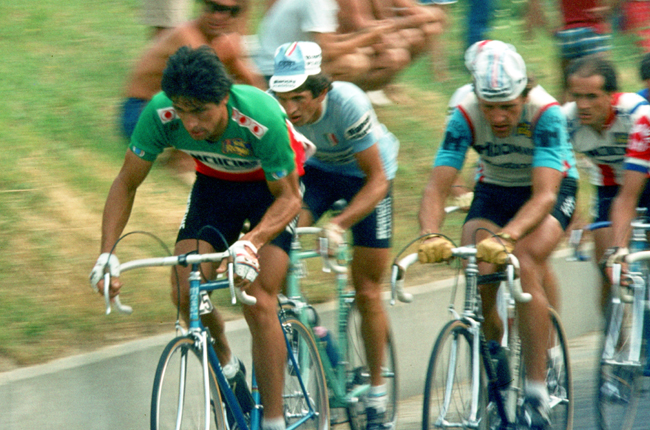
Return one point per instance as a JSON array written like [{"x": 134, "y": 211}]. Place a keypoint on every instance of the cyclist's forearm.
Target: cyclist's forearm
[
  {"x": 116, "y": 214},
  {"x": 530, "y": 215},
  {"x": 282, "y": 211},
  {"x": 621, "y": 215},
  {"x": 363, "y": 203},
  {"x": 432, "y": 207}
]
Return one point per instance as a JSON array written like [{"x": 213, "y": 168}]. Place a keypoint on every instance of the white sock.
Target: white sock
[
  {"x": 231, "y": 369},
  {"x": 377, "y": 398},
  {"x": 273, "y": 423},
  {"x": 537, "y": 390}
]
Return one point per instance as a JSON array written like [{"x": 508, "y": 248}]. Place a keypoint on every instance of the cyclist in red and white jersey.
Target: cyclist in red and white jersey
[{"x": 600, "y": 121}]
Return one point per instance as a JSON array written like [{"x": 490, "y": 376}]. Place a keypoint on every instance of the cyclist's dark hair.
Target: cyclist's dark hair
[
  {"x": 316, "y": 84},
  {"x": 196, "y": 74},
  {"x": 594, "y": 65},
  {"x": 644, "y": 68}
]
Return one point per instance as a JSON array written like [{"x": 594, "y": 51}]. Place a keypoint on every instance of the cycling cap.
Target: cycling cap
[
  {"x": 294, "y": 62},
  {"x": 499, "y": 76},
  {"x": 481, "y": 46}
]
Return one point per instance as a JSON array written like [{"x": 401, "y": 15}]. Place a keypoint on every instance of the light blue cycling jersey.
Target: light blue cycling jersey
[
  {"x": 539, "y": 140},
  {"x": 349, "y": 125}
]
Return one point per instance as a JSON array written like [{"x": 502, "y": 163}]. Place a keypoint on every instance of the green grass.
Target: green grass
[{"x": 64, "y": 65}]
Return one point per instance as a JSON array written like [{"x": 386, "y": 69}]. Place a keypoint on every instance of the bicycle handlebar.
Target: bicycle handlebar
[
  {"x": 183, "y": 260},
  {"x": 329, "y": 263},
  {"x": 512, "y": 269}
]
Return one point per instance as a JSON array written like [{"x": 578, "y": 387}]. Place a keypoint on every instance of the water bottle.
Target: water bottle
[{"x": 330, "y": 348}]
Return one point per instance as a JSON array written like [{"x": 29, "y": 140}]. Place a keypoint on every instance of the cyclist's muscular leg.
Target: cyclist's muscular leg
[
  {"x": 368, "y": 265},
  {"x": 533, "y": 252},
  {"x": 269, "y": 351},
  {"x": 213, "y": 321}
]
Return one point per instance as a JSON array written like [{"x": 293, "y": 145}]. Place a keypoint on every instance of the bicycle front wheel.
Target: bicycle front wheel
[
  {"x": 558, "y": 376},
  {"x": 619, "y": 380},
  {"x": 359, "y": 373},
  {"x": 305, "y": 397},
  {"x": 179, "y": 397},
  {"x": 454, "y": 396}
]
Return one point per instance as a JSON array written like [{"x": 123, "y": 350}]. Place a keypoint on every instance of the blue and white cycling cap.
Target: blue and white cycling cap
[
  {"x": 499, "y": 76},
  {"x": 294, "y": 62},
  {"x": 481, "y": 46}
]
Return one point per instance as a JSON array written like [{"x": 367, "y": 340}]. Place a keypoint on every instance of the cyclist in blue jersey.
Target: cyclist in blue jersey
[
  {"x": 355, "y": 160},
  {"x": 245, "y": 152},
  {"x": 525, "y": 191}
]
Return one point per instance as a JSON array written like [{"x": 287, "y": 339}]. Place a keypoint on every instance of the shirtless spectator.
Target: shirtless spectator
[
  {"x": 415, "y": 24},
  {"x": 162, "y": 15},
  {"x": 368, "y": 56},
  {"x": 214, "y": 27}
]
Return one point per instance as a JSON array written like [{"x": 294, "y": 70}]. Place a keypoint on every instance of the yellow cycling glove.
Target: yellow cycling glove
[
  {"x": 492, "y": 250},
  {"x": 434, "y": 250}
]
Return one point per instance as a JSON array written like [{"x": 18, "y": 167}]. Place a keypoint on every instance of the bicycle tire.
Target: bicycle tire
[
  {"x": 304, "y": 350},
  {"x": 453, "y": 349},
  {"x": 619, "y": 384},
  {"x": 359, "y": 374},
  {"x": 559, "y": 382},
  {"x": 178, "y": 403}
]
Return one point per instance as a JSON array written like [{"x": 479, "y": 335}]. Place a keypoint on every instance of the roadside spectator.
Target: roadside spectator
[
  {"x": 479, "y": 14},
  {"x": 366, "y": 57},
  {"x": 215, "y": 26},
  {"x": 644, "y": 73},
  {"x": 437, "y": 54},
  {"x": 585, "y": 30},
  {"x": 636, "y": 15},
  {"x": 163, "y": 15},
  {"x": 414, "y": 28}
]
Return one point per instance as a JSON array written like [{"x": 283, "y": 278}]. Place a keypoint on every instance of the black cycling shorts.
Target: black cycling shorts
[
  {"x": 323, "y": 189},
  {"x": 500, "y": 204},
  {"x": 217, "y": 209},
  {"x": 605, "y": 196}
]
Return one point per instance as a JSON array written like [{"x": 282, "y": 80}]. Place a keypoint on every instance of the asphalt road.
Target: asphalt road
[{"x": 583, "y": 354}]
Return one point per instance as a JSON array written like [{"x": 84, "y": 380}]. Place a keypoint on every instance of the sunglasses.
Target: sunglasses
[{"x": 212, "y": 7}]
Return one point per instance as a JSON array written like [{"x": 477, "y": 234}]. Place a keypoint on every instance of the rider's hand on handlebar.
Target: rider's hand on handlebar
[
  {"x": 613, "y": 255},
  {"x": 434, "y": 250},
  {"x": 335, "y": 236},
  {"x": 495, "y": 249},
  {"x": 106, "y": 262},
  {"x": 247, "y": 266},
  {"x": 464, "y": 201}
]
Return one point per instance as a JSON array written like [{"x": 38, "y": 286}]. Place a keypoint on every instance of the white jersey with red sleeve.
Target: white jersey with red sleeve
[
  {"x": 638, "y": 150},
  {"x": 607, "y": 149}
]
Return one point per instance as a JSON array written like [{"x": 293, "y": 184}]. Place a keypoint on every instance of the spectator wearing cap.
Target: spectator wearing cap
[
  {"x": 644, "y": 74},
  {"x": 524, "y": 154},
  {"x": 355, "y": 160}
]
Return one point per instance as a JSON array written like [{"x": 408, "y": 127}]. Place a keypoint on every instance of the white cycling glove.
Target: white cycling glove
[
  {"x": 246, "y": 265},
  {"x": 464, "y": 201},
  {"x": 104, "y": 260},
  {"x": 335, "y": 236}
]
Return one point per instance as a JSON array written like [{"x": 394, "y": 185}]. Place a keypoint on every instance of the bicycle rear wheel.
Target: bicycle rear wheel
[
  {"x": 308, "y": 408},
  {"x": 359, "y": 374},
  {"x": 619, "y": 380},
  {"x": 449, "y": 384},
  {"x": 558, "y": 376},
  {"x": 178, "y": 398}
]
